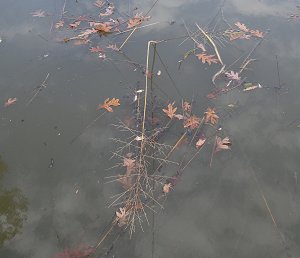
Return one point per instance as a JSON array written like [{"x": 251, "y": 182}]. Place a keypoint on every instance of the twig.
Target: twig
[
  {"x": 127, "y": 38},
  {"x": 38, "y": 89},
  {"x": 213, "y": 152},
  {"x": 216, "y": 51},
  {"x": 88, "y": 126}
]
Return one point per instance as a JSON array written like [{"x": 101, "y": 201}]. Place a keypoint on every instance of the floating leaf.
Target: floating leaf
[
  {"x": 10, "y": 101},
  {"x": 96, "y": 49},
  {"x": 39, "y": 13},
  {"x": 257, "y": 33},
  {"x": 241, "y": 26},
  {"x": 108, "y": 11},
  {"x": 233, "y": 76},
  {"x": 74, "y": 24},
  {"x": 103, "y": 27},
  {"x": 167, "y": 187},
  {"x": 222, "y": 144},
  {"x": 122, "y": 217},
  {"x": 109, "y": 103},
  {"x": 211, "y": 116},
  {"x": 200, "y": 142},
  {"x": 192, "y": 122},
  {"x": 170, "y": 111},
  {"x": 207, "y": 58}
]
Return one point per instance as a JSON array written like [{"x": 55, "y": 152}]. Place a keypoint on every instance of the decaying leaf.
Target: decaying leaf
[
  {"x": 192, "y": 122},
  {"x": 129, "y": 163},
  {"x": 39, "y": 13},
  {"x": 207, "y": 58},
  {"x": 109, "y": 103},
  {"x": 122, "y": 216},
  {"x": 186, "y": 106},
  {"x": 241, "y": 26},
  {"x": 233, "y": 75},
  {"x": 137, "y": 20},
  {"x": 85, "y": 34},
  {"x": 257, "y": 33},
  {"x": 222, "y": 144},
  {"x": 167, "y": 188},
  {"x": 10, "y": 101},
  {"x": 201, "y": 46},
  {"x": 113, "y": 47},
  {"x": 211, "y": 116},
  {"x": 103, "y": 27},
  {"x": 200, "y": 142},
  {"x": 170, "y": 111}
]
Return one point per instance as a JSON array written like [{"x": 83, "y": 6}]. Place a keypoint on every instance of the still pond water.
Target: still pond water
[{"x": 53, "y": 192}]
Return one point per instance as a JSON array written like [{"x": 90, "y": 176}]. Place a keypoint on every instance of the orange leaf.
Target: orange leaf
[
  {"x": 109, "y": 103},
  {"x": 257, "y": 33},
  {"x": 211, "y": 116},
  {"x": 207, "y": 58},
  {"x": 170, "y": 111},
  {"x": 241, "y": 26},
  {"x": 192, "y": 122}
]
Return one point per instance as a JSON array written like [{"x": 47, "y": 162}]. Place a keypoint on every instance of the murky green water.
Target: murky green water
[{"x": 53, "y": 193}]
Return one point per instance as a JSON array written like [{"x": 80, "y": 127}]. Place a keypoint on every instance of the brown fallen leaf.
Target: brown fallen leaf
[
  {"x": 257, "y": 33},
  {"x": 122, "y": 217},
  {"x": 109, "y": 103},
  {"x": 211, "y": 116},
  {"x": 96, "y": 49},
  {"x": 137, "y": 20},
  {"x": 222, "y": 144},
  {"x": 103, "y": 27},
  {"x": 170, "y": 111},
  {"x": 10, "y": 101},
  {"x": 207, "y": 58},
  {"x": 241, "y": 26},
  {"x": 186, "y": 106},
  {"x": 108, "y": 11},
  {"x": 200, "y": 142},
  {"x": 192, "y": 122},
  {"x": 167, "y": 188}
]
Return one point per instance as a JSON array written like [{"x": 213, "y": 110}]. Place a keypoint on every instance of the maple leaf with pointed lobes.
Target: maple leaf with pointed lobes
[
  {"x": 170, "y": 111},
  {"x": 109, "y": 103},
  {"x": 222, "y": 144},
  {"x": 192, "y": 122},
  {"x": 211, "y": 116},
  {"x": 137, "y": 20},
  {"x": 85, "y": 34},
  {"x": 233, "y": 76},
  {"x": 207, "y": 58},
  {"x": 241, "y": 26},
  {"x": 39, "y": 13},
  {"x": 10, "y": 101},
  {"x": 257, "y": 33}
]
